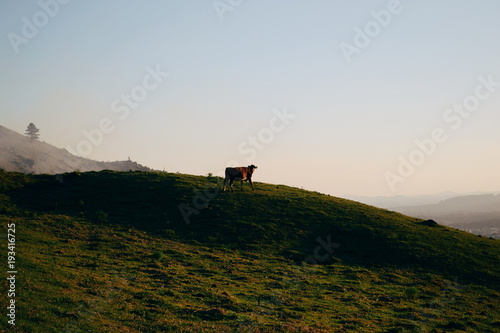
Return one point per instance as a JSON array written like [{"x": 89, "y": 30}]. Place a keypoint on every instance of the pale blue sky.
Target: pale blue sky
[{"x": 227, "y": 77}]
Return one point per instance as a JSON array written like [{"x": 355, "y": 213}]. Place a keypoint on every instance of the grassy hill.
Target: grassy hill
[{"x": 159, "y": 252}]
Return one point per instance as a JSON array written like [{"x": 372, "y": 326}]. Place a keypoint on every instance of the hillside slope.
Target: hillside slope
[
  {"x": 18, "y": 153},
  {"x": 146, "y": 252}
]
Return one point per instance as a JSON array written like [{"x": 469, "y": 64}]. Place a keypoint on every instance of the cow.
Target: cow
[{"x": 239, "y": 173}]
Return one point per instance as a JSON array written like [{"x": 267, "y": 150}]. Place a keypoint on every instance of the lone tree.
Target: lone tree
[{"x": 32, "y": 132}]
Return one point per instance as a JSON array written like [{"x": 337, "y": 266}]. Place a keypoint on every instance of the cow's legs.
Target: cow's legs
[
  {"x": 231, "y": 185},
  {"x": 225, "y": 183},
  {"x": 253, "y": 188}
]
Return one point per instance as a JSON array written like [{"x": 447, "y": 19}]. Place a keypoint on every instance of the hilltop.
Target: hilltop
[
  {"x": 147, "y": 252},
  {"x": 19, "y": 154}
]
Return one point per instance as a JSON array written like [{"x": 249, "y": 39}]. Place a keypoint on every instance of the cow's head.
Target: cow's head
[{"x": 252, "y": 167}]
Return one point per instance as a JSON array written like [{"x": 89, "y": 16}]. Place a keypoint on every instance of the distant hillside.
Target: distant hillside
[
  {"x": 460, "y": 204},
  {"x": 479, "y": 214},
  {"x": 391, "y": 202},
  {"x": 396, "y": 201},
  {"x": 18, "y": 153},
  {"x": 159, "y": 252}
]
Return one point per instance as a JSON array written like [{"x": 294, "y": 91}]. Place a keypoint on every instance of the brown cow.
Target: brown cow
[{"x": 239, "y": 173}]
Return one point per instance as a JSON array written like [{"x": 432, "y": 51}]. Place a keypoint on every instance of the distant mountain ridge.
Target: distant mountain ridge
[
  {"x": 401, "y": 200},
  {"x": 479, "y": 214},
  {"x": 460, "y": 204},
  {"x": 18, "y": 153}
]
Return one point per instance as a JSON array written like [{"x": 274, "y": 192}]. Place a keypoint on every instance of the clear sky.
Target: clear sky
[{"x": 329, "y": 95}]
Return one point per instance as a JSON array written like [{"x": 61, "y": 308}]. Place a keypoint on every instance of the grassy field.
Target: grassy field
[{"x": 160, "y": 252}]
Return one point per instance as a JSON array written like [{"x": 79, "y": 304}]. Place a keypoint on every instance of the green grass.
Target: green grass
[{"x": 111, "y": 252}]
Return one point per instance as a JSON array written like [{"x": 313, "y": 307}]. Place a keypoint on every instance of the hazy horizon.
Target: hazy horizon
[{"x": 373, "y": 98}]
